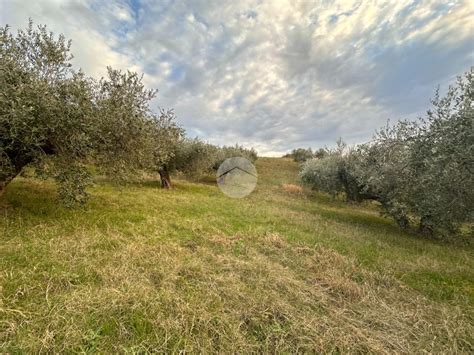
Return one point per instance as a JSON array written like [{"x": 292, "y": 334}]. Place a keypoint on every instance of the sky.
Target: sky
[{"x": 273, "y": 75}]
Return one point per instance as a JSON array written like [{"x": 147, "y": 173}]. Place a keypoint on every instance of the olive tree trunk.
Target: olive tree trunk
[
  {"x": 5, "y": 179},
  {"x": 16, "y": 164},
  {"x": 426, "y": 226},
  {"x": 165, "y": 178}
]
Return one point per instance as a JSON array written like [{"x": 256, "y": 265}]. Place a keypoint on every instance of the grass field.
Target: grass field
[{"x": 144, "y": 269}]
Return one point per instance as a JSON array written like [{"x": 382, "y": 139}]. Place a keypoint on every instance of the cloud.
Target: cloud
[{"x": 274, "y": 75}]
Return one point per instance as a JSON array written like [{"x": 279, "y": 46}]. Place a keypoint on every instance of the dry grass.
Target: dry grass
[
  {"x": 145, "y": 270},
  {"x": 292, "y": 188}
]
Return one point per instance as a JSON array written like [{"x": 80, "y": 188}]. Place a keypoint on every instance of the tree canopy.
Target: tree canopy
[
  {"x": 59, "y": 121},
  {"x": 420, "y": 171}
]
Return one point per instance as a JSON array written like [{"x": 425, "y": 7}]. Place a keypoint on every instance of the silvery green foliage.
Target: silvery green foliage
[
  {"x": 300, "y": 155},
  {"x": 194, "y": 157},
  {"x": 383, "y": 171},
  {"x": 320, "y": 153},
  {"x": 226, "y": 152},
  {"x": 59, "y": 121},
  {"x": 421, "y": 171},
  {"x": 43, "y": 101},
  {"x": 442, "y": 160},
  {"x": 125, "y": 126},
  {"x": 167, "y": 135},
  {"x": 334, "y": 173},
  {"x": 323, "y": 174}
]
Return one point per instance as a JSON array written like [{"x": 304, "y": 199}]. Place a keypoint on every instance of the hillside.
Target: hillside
[{"x": 146, "y": 269}]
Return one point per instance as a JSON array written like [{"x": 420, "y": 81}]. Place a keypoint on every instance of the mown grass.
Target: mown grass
[{"x": 142, "y": 269}]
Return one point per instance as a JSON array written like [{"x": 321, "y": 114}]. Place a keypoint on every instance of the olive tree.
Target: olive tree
[
  {"x": 226, "y": 152},
  {"x": 442, "y": 160},
  {"x": 300, "y": 155},
  {"x": 193, "y": 158},
  {"x": 323, "y": 174},
  {"x": 335, "y": 173},
  {"x": 167, "y": 138},
  {"x": 43, "y": 100},
  {"x": 420, "y": 171},
  {"x": 59, "y": 121},
  {"x": 320, "y": 153},
  {"x": 383, "y": 171}
]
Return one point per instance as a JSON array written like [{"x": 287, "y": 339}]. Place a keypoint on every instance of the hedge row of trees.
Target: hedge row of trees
[
  {"x": 60, "y": 122},
  {"x": 194, "y": 158},
  {"x": 300, "y": 155},
  {"x": 421, "y": 172}
]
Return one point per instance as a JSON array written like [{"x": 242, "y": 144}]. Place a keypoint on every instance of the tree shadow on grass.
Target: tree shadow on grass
[
  {"x": 145, "y": 182},
  {"x": 38, "y": 199},
  {"x": 383, "y": 229},
  {"x": 372, "y": 225},
  {"x": 177, "y": 183}
]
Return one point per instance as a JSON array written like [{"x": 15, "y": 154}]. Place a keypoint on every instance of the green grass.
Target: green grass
[{"x": 143, "y": 269}]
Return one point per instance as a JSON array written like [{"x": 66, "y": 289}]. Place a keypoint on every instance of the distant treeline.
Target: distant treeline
[{"x": 300, "y": 155}]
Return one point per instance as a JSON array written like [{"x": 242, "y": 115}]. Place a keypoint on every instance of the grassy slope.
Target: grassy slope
[{"x": 189, "y": 269}]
